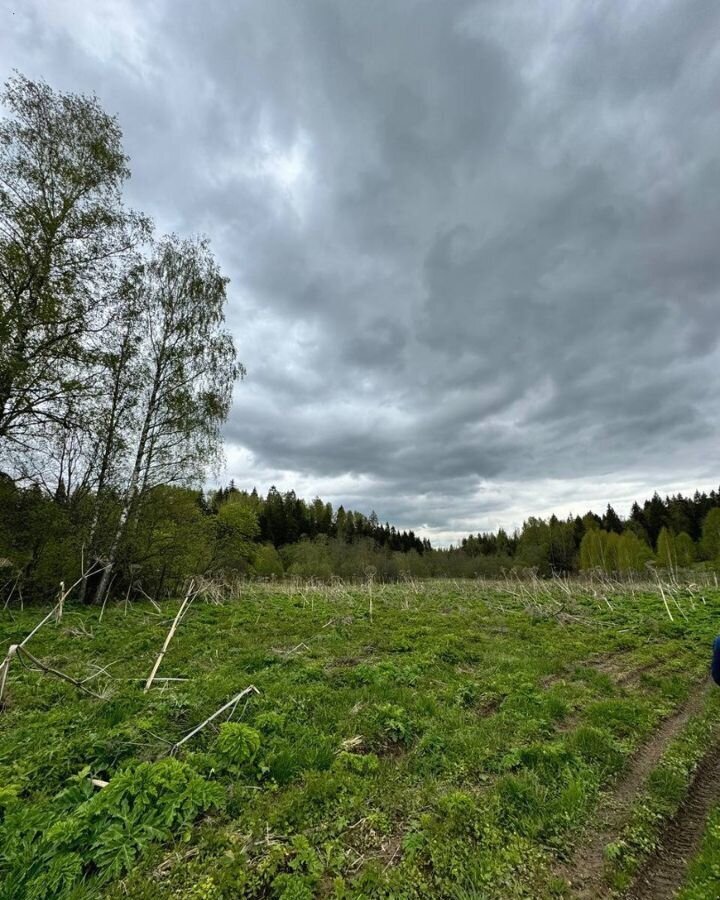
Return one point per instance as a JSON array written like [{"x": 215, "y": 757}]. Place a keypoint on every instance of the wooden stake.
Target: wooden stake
[
  {"x": 235, "y": 699},
  {"x": 183, "y": 606}
]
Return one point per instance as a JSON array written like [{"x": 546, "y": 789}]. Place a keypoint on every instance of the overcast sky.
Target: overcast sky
[{"x": 474, "y": 247}]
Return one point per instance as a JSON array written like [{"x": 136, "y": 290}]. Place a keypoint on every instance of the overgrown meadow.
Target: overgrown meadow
[{"x": 426, "y": 739}]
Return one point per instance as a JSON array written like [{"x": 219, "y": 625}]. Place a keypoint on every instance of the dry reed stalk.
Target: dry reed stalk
[
  {"x": 12, "y": 651},
  {"x": 189, "y": 597},
  {"x": 233, "y": 701},
  {"x": 667, "y": 608},
  {"x": 147, "y": 597},
  {"x": 5, "y": 668},
  {"x": 60, "y": 603},
  {"x": 12, "y": 591},
  {"x": 21, "y": 651}
]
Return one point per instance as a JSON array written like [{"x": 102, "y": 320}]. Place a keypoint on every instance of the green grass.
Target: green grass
[{"x": 446, "y": 741}]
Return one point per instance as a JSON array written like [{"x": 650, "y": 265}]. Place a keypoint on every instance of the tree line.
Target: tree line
[
  {"x": 672, "y": 532},
  {"x": 178, "y": 532},
  {"x": 116, "y": 374},
  {"x": 285, "y": 518}
]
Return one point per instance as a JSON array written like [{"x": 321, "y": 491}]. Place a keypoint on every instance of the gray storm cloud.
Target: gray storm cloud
[{"x": 472, "y": 245}]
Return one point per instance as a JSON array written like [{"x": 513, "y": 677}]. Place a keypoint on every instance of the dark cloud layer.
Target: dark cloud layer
[{"x": 473, "y": 245}]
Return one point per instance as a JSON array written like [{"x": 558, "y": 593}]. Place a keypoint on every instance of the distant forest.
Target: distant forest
[{"x": 179, "y": 532}]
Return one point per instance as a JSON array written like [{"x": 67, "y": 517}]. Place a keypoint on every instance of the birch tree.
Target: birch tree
[
  {"x": 64, "y": 234},
  {"x": 180, "y": 373}
]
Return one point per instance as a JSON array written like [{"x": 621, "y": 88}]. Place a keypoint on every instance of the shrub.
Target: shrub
[{"x": 237, "y": 744}]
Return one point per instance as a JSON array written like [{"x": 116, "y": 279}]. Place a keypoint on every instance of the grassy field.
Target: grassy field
[{"x": 437, "y": 739}]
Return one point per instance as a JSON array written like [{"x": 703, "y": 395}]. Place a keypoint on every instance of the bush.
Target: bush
[{"x": 237, "y": 744}]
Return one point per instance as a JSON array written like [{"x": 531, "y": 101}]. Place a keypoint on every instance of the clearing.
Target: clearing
[{"x": 429, "y": 739}]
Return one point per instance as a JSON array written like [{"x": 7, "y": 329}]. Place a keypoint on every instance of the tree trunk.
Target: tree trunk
[
  {"x": 132, "y": 490},
  {"x": 125, "y": 348},
  {"x": 107, "y": 572}
]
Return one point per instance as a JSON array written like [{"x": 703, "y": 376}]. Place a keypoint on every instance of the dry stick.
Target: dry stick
[
  {"x": 12, "y": 651},
  {"x": 235, "y": 699},
  {"x": 157, "y": 678},
  {"x": 61, "y": 600},
  {"x": 106, "y": 597},
  {"x": 39, "y": 626},
  {"x": 12, "y": 591},
  {"x": 183, "y": 606},
  {"x": 5, "y": 667},
  {"x": 55, "y": 611},
  {"x": 101, "y": 670},
  {"x": 21, "y": 650},
  {"x": 102, "y": 608},
  {"x": 64, "y": 594},
  {"x": 148, "y": 597},
  {"x": 675, "y": 601},
  {"x": 667, "y": 608}
]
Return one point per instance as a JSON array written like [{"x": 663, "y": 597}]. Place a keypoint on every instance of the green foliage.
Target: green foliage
[
  {"x": 711, "y": 535},
  {"x": 666, "y": 553},
  {"x": 356, "y": 763},
  {"x": 237, "y": 744},
  {"x": 596, "y": 747},
  {"x": 103, "y": 831},
  {"x": 633, "y": 553},
  {"x": 685, "y": 550},
  {"x": 172, "y": 538},
  {"x": 391, "y": 725},
  {"x": 310, "y": 558},
  {"x": 267, "y": 562},
  {"x": 236, "y": 527},
  {"x": 62, "y": 223},
  {"x": 461, "y": 812},
  {"x": 613, "y": 553},
  {"x": 675, "y": 551}
]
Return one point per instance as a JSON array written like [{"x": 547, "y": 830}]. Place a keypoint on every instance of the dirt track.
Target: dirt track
[
  {"x": 585, "y": 870},
  {"x": 664, "y": 872}
]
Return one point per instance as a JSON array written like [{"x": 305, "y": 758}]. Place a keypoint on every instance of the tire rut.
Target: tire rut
[
  {"x": 663, "y": 874},
  {"x": 585, "y": 871}
]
